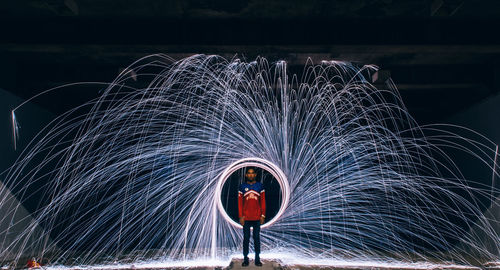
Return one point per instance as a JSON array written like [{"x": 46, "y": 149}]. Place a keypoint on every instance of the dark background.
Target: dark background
[{"x": 442, "y": 54}]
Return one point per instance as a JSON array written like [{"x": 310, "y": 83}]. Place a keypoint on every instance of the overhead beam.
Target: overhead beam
[
  {"x": 77, "y": 30},
  {"x": 400, "y": 55},
  {"x": 445, "y": 7}
]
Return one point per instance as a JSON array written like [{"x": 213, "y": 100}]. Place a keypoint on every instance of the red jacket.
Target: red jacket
[{"x": 251, "y": 201}]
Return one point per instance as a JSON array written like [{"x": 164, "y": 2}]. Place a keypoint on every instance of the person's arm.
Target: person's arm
[
  {"x": 262, "y": 206},
  {"x": 240, "y": 207}
]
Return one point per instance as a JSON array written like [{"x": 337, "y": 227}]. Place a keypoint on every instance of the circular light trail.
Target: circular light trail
[{"x": 274, "y": 170}]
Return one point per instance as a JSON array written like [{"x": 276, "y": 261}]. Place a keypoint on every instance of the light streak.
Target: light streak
[
  {"x": 15, "y": 129},
  {"x": 493, "y": 174}
]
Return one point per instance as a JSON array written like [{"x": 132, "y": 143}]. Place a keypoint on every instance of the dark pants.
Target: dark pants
[{"x": 256, "y": 237}]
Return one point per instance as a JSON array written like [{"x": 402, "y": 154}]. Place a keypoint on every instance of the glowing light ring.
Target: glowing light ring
[{"x": 275, "y": 171}]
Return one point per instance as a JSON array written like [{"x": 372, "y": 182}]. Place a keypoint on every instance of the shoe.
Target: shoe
[
  {"x": 245, "y": 262},
  {"x": 258, "y": 263}
]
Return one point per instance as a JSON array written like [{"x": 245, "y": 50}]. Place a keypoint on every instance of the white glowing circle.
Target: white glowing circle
[{"x": 274, "y": 170}]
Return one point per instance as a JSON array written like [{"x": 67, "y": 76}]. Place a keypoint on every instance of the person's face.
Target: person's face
[{"x": 250, "y": 175}]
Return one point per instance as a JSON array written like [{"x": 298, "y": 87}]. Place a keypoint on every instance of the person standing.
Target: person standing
[{"x": 252, "y": 212}]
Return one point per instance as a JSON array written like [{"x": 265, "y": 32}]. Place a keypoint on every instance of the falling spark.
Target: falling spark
[
  {"x": 494, "y": 173},
  {"x": 15, "y": 129}
]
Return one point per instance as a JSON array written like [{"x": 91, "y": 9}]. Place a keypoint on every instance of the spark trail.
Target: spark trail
[{"x": 133, "y": 175}]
